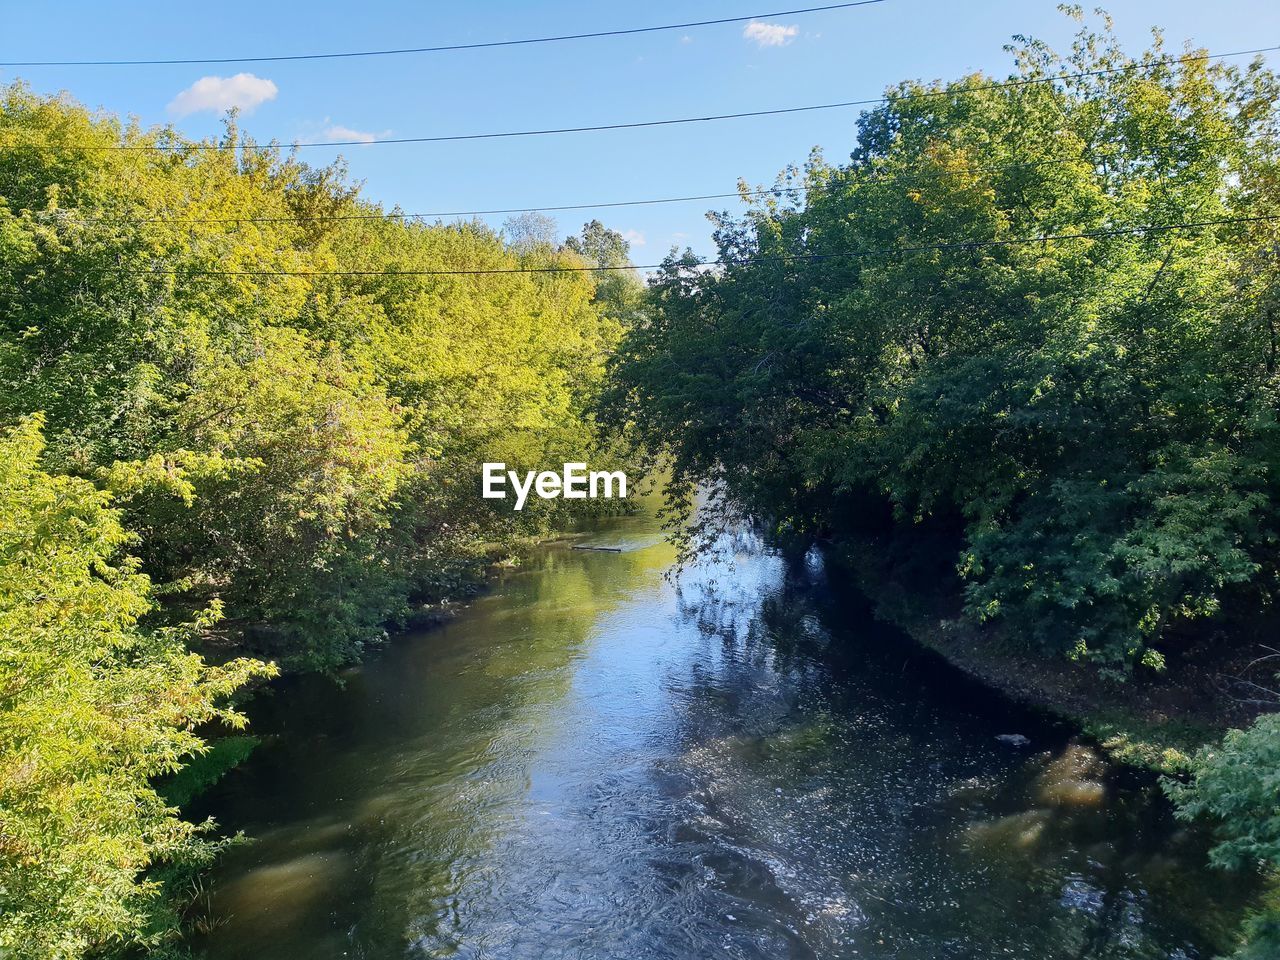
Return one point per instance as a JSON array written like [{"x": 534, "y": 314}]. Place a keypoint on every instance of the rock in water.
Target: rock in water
[{"x": 1013, "y": 739}]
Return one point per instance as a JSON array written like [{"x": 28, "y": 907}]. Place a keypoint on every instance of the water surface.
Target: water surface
[{"x": 594, "y": 762}]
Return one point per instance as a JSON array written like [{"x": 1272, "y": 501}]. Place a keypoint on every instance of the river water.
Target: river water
[{"x": 593, "y": 761}]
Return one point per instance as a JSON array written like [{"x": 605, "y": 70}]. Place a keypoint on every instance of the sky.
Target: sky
[{"x": 772, "y": 62}]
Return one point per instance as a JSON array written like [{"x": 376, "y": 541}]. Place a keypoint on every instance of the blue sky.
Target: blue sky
[{"x": 800, "y": 59}]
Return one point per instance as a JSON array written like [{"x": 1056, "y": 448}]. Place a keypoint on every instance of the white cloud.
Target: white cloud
[
  {"x": 633, "y": 237},
  {"x": 220, "y": 94},
  {"x": 338, "y": 132},
  {"x": 686, "y": 39},
  {"x": 769, "y": 34}
]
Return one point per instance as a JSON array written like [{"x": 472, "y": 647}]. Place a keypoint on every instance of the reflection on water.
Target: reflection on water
[{"x": 594, "y": 762}]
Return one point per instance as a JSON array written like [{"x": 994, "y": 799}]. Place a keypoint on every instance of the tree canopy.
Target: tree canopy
[
  {"x": 290, "y": 392},
  {"x": 993, "y": 317}
]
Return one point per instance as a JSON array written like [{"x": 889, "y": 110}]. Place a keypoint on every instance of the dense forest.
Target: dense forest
[
  {"x": 1026, "y": 335},
  {"x": 1030, "y": 331},
  {"x": 243, "y": 416}
]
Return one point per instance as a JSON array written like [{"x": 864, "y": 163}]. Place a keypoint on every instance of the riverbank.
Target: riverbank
[{"x": 1151, "y": 722}]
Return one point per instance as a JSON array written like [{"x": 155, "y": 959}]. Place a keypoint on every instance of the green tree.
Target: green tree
[
  {"x": 93, "y": 707},
  {"x": 290, "y": 391},
  {"x": 958, "y": 328},
  {"x": 278, "y": 396},
  {"x": 618, "y": 288}
]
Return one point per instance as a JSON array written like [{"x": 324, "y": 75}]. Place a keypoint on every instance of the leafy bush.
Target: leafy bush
[
  {"x": 93, "y": 707},
  {"x": 1238, "y": 784}
]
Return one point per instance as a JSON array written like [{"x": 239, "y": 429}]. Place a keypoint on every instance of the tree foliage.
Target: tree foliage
[
  {"x": 93, "y": 707},
  {"x": 959, "y": 325},
  {"x": 1237, "y": 783},
  {"x": 289, "y": 392}
]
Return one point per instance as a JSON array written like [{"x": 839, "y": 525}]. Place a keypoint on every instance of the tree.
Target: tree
[
  {"x": 529, "y": 231},
  {"x": 618, "y": 289},
  {"x": 93, "y": 707},
  {"x": 959, "y": 328},
  {"x": 299, "y": 443},
  {"x": 600, "y": 245}
]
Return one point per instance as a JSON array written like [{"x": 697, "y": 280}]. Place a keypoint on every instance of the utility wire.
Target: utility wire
[
  {"x": 733, "y": 262},
  {"x": 437, "y": 49},
  {"x": 898, "y": 98},
  {"x": 840, "y": 179},
  {"x": 777, "y": 191}
]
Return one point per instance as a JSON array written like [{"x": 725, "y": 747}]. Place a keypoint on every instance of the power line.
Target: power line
[
  {"x": 779, "y": 191},
  {"x": 740, "y": 261},
  {"x": 930, "y": 94},
  {"x": 437, "y": 49}
]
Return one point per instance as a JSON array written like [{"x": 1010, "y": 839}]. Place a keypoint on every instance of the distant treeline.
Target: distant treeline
[
  {"x": 1040, "y": 320},
  {"x": 228, "y": 425}
]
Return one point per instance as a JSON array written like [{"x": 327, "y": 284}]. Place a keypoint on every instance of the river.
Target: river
[{"x": 594, "y": 761}]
